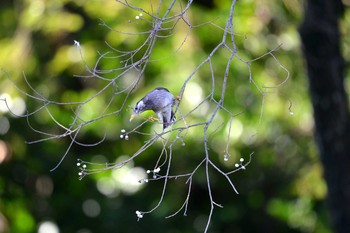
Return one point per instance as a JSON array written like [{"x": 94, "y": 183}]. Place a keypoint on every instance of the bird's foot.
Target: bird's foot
[
  {"x": 152, "y": 118},
  {"x": 178, "y": 98}
]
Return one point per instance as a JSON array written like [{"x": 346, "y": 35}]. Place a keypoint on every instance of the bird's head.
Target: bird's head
[{"x": 139, "y": 107}]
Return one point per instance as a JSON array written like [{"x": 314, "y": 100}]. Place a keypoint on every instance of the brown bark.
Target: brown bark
[{"x": 321, "y": 44}]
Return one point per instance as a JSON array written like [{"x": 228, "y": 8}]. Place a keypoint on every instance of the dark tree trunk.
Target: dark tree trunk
[{"x": 321, "y": 43}]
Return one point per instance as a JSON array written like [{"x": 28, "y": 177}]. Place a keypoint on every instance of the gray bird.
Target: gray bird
[{"x": 160, "y": 101}]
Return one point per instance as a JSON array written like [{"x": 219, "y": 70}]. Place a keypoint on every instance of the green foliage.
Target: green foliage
[{"x": 282, "y": 189}]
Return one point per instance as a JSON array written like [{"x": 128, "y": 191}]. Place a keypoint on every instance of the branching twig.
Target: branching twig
[{"x": 162, "y": 21}]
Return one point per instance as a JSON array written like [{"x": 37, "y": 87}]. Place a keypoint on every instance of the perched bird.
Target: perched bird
[{"x": 160, "y": 101}]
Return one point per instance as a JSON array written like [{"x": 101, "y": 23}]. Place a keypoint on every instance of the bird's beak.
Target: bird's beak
[{"x": 131, "y": 117}]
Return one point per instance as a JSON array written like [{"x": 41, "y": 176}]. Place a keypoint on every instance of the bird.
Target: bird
[{"x": 160, "y": 101}]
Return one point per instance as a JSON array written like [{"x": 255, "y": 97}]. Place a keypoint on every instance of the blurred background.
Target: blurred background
[{"x": 282, "y": 189}]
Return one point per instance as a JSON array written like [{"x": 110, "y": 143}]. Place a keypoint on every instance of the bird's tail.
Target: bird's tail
[{"x": 172, "y": 120}]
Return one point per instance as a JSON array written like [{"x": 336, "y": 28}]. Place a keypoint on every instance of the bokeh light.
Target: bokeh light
[{"x": 48, "y": 227}]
